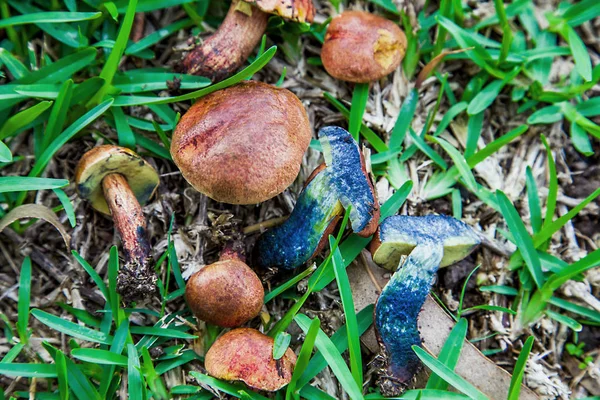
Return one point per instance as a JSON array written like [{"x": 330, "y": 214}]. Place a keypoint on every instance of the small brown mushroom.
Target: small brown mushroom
[
  {"x": 225, "y": 51},
  {"x": 246, "y": 355},
  {"x": 116, "y": 180},
  {"x": 226, "y": 293},
  {"x": 361, "y": 47},
  {"x": 243, "y": 144}
]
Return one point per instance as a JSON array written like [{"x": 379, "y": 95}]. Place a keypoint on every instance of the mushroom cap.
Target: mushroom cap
[
  {"x": 400, "y": 234},
  {"x": 361, "y": 47},
  {"x": 243, "y": 144},
  {"x": 246, "y": 355},
  {"x": 108, "y": 159},
  {"x": 227, "y": 293},
  {"x": 294, "y": 10}
]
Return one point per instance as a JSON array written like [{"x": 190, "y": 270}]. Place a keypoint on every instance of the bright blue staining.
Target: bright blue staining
[
  {"x": 399, "y": 305},
  {"x": 295, "y": 241},
  {"x": 343, "y": 181},
  {"x": 437, "y": 228},
  {"x": 347, "y": 176}
]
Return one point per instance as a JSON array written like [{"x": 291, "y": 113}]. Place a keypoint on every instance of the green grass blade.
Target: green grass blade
[
  {"x": 48, "y": 17},
  {"x": 449, "y": 354},
  {"x": 282, "y": 342},
  {"x": 5, "y": 153},
  {"x": 247, "y": 72},
  {"x": 593, "y": 315},
  {"x": 448, "y": 375},
  {"x": 28, "y": 370},
  {"x": 67, "y": 205},
  {"x": 515, "y": 382},
  {"x": 136, "y": 387},
  {"x": 124, "y": 132},
  {"x": 334, "y": 359},
  {"x": 303, "y": 357},
  {"x": 360, "y": 95},
  {"x": 58, "y": 115},
  {"x": 92, "y": 273},
  {"x": 350, "y": 315},
  {"x": 552, "y": 185},
  {"x": 24, "y": 300},
  {"x": 99, "y": 356},
  {"x": 564, "y": 320},
  {"x": 158, "y": 35},
  {"x": 583, "y": 63},
  {"x": 535, "y": 209},
  {"x": 20, "y": 120},
  {"x": 523, "y": 241},
  {"x": 405, "y": 117},
  {"x": 70, "y": 328},
  {"x": 111, "y": 66},
  {"x": 459, "y": 161},
  {"x": 61, "y": 372}
]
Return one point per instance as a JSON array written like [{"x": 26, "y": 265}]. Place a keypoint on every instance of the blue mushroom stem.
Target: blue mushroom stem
[
  {"x": 396, "y": 315},
  {"x": 342, "y": 182}
]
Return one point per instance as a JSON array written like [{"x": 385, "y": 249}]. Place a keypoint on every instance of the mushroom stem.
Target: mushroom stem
[
  {"x": 342, "y": 182},
  {"x": 226, "y": 50},
  {"x": 136, "y": 278}
]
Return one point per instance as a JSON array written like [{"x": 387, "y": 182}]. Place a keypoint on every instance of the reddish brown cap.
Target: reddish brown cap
[
  {"x": 243, "y": 144},
  {"x": 361, "y": 47},
  {"x": 227, "y": 293},
  {"x": 294, "y": 10},
  {"x": 246, "y": 355}
]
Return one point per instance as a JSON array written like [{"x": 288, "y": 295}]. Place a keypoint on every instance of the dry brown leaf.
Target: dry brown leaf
[
  {"x": 435, "y": 326},
  {"x": 35, "y": 211},
  {"x": 431, "y": 65}
]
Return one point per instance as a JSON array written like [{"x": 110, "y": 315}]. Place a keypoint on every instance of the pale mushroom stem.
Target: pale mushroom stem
[
  {"x": 226, "y": 50},
  {"x": 136, "y": 278}
]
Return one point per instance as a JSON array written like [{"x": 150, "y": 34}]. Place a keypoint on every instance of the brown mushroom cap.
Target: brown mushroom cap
[
  {"x": 108, "y": 159},
  {"x": 361, "y": 47},
  {"x": 294, "y": 10},
  {"x": 227, "y": 293},
  {"x": 246, "y": 355},
  {"x": 243, "y": 144}
]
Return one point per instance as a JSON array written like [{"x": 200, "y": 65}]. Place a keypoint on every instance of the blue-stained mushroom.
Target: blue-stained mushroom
[
  {"x": 342, "y": 181},
  {"x": 430, "y": 242},
  {"x": 116, "y": 181}
]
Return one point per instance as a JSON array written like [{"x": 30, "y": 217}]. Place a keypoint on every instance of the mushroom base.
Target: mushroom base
[{"x": 136, "y": 278}]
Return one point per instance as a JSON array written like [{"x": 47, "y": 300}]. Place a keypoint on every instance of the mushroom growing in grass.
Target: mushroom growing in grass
[
  {"x": 243, "y": 144},
  {"x": 340, "y": 182},
  {"x": 116, "y": 181},
  {"x": 226, "y": 293},
  {"x": 430, "y": 242},
  {"x": 246, "y": 355},
  {"x": 361, "y": 47},
  {"x": 226, "y": 50}
]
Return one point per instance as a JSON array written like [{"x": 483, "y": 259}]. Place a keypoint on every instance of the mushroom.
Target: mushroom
[
  {"x": 246, "y": 355},
  {"x": 226, "y": 50},
  {"x": 115, "y": 181},
  {"x": 340, "y": 182},
  {"x": 361, "y": 47},
  {"x": 226, "y": 293},
  {"x": 243, "y": 144},
  {"x": 430, "y": 242}
]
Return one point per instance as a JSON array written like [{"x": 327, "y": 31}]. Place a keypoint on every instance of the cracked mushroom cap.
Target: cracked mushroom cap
[
  {"x": 243, "y": 144},
  {"x": 361, "y": 47},
  {"x": 108, "y": 159},
  {"x": 294, "y": 10},
  {"x": 226, "y": 293},
  {"x": 246, "y": 355}
]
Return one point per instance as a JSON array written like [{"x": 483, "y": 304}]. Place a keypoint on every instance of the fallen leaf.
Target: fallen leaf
[
  {"x": 35, "y": 211},
  {"x": 435, "y": 326}
]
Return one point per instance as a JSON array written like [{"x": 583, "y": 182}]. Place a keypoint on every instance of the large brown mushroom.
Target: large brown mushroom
[
  {"x": 115, "y": 180},
  {"x": 243, "y": 144},
  {"x": 246, "y": 355},
  {"x": 225, "y": 51},
  {"x": 361, "y": 47},
  {"x": 226, "y": 293}
]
